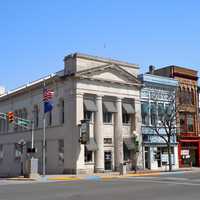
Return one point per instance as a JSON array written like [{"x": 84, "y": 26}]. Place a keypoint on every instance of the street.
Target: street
[{"x": 177, "y": 186}]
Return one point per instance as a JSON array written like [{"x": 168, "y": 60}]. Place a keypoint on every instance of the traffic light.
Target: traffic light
[{"x": 10, "y": 116}]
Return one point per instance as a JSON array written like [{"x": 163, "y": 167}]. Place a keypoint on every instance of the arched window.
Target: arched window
[{"x": 36, "y": 116}]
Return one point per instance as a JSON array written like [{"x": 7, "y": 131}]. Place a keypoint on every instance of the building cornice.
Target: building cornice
[{"x": 101, "y": 59}]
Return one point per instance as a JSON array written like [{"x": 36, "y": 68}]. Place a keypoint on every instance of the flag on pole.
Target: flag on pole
[{"x": 47, "y": 96}]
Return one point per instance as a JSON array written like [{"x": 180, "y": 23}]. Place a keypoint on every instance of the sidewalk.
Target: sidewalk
[{"x": 100, "y": 176}]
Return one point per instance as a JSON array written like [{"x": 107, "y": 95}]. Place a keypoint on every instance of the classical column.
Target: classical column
[
  {"x": 98, "y": 133},
  {"x": 118, "y": 136}
]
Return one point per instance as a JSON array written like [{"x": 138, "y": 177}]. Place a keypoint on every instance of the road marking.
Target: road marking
[{"x": 167, "y": 182}]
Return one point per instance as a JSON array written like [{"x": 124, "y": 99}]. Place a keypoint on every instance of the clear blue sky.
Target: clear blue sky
[{"x": 36, "y": 35}]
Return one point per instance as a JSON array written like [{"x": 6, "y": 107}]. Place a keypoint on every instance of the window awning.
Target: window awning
[
  {"x": 91, "y": 145},
  {"x": 109, "y": 106},
  {"x": 129, "y": 143},
  {"x": 89, "y": 105},
  {"x": 128, "y": 108}
]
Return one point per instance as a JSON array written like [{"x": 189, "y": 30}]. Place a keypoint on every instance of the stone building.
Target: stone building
[
  {"x": 157, "y": 94},
  {"x": 104, "y": 91},
  {"x": 187, "y": 117}
]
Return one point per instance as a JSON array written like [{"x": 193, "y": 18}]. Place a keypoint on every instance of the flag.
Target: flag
[
  {"x": 47, "y": 96},
  {"x": 48, "y": 107}
]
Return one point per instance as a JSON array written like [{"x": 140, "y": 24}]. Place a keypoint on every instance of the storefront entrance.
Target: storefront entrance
[
  {"x": 108, "y": 160},
  {"x": 189, "y": 154}
]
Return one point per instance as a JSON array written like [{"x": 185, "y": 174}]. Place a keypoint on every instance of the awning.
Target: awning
[
  {"x": 89, "y": 105},
  {"x": 129, "y": 143},
  {"x": 109, "y": 106},
  {"x": 128, "y": 108},
  {"x": 91, "y": 145}
]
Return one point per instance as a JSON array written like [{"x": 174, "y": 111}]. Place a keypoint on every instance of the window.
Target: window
[
  {"x": 107, "y": 140},
  {"x": 1, "y": 151},
  {"x": 16, "y": 127},
  {"x": 127, "y": 153},
  {"x": 2, "y": 125},
  {"x": 153, "y": 113},
  {"x": 186, "y": 122},
  {"x": 182, "y": 122},
  {"x": 126, "y": 118},
  {"x": 88, "y": 115},
  {"x": 36, "y": 116},
  {"x": 61, "y": 151},
  {"x": 18, "y": 151},
  {"x": 107, "y": 117},
  {"x": 160, "y": 111},
  {"x": 190, "y": 122},
  {"x": 88, "y": 155},
  {"x": 61, "y": 107},
  {"x": 145, "y": 113},
  {"x": 186, "y": 96},
  {"x": 49, "y": 118}
]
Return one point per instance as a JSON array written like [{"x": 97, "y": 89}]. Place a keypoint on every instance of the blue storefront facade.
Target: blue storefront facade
[{"x": 155, "y": 95}]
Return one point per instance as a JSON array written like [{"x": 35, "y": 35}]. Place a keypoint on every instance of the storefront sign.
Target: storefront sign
[{"x": 185, "y": 152}]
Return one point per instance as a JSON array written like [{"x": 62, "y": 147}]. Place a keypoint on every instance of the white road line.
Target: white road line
[{"x": 168, "y": 182}]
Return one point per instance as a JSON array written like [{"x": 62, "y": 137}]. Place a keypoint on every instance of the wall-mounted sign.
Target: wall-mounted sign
[{"x": 185, "y": 152}]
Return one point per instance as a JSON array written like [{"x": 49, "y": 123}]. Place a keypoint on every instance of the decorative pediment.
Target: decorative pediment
[{"x": 109, "y": 73}]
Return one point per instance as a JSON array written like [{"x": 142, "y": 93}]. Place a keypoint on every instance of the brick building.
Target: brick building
[{"x": 187, "y": 115}]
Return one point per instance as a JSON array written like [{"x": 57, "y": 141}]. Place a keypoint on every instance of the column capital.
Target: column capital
[
  {"x": 119, "y": 99},
  {"x": 99, "y": 97},
  {"x": 79, "y": 94}
]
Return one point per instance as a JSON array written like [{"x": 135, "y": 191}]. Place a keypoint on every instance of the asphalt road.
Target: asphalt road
[{"x": 179, "y": 186}]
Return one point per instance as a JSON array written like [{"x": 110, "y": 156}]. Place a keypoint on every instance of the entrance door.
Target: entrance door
[
  {"x": 193, "y": 157},
  {"x": 146, "y": 155},
  {"x": 108, "y": 160}
]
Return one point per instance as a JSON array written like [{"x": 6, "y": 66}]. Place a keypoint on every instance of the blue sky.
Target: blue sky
[{"x": 36, "y": 35}]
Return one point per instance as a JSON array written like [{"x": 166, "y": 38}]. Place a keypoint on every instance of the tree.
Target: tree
[{"x": 164, "y": 122}]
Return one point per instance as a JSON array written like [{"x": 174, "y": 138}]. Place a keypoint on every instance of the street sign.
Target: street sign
[{"x": 23, "y": 122}]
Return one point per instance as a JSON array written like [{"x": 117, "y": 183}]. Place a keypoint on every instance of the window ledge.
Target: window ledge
[
  {"x": 89, "y": 163},
  {"x": 126, "y": 124}
]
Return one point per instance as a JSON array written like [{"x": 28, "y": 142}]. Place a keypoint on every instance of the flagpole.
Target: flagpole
[
  {"x": 44, "y": 142},
  {"x": 32, "y": 136},
  {"x": 44, "y": 146}
]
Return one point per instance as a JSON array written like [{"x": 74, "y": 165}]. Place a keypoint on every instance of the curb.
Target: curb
[
  {"x": 21, "y": 179},
  {"x": 97, "y": 177},
  {"x": 63, "y": 179}
]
